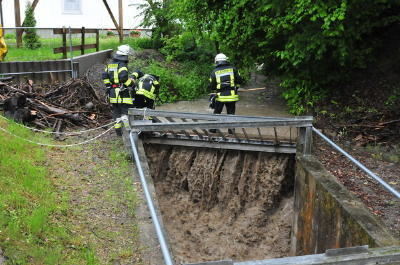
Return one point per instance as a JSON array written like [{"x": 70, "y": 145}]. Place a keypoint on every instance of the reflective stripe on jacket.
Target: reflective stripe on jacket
[
  {"x": 227, "y": 96},
  {"x": 118, "y": 96},
  {"x": 148, "y": 86},
  {"x": 224, "y": 79},
  {"x": 116, "y": 75}
]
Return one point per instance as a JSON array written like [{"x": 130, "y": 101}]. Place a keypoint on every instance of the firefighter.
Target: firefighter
[
  {"x": 119, "y": 86},
  {"x": 224, "y": 79},
  {"x": 147, "y": 90}
]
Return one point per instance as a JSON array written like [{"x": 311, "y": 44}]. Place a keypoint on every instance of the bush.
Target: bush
[
  {"x": 145, "y": 43},
  {"x": 184, "y": 82},
  {"x": 110, "y": 33},
  {"x": 184, "y": 47},
  {"x": 31, "y": 39},
  {"x": 134, "y": 33},
  {"x": 9, "y": 36}
]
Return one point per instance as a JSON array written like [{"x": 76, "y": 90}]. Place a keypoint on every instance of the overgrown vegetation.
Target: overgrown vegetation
[{"x": 313, "y": 47}]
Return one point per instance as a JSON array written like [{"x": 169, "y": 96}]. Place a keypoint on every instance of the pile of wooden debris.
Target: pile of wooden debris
[{"x": 65, "y": 105}]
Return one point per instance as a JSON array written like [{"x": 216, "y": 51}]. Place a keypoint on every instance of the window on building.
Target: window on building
[{"x": 72, "y": 6}]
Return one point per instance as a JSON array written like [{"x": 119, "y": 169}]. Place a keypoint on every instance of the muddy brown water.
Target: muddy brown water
[
  {"x": 219, "y": 204},
  {"x": 225, "y": 204}
]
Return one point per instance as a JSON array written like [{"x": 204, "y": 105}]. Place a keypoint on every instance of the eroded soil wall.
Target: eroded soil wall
[{"x": 219, "y": 204}]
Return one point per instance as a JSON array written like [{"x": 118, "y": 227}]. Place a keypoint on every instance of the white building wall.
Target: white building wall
[{"x": 92, "y": 14}]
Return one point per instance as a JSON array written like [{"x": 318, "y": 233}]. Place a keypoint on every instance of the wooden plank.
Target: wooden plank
[
  {"x": 74, "y": 30},
  {"x": 75, "y": 48}
]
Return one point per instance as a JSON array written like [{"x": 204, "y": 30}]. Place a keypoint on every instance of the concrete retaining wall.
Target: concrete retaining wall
[
  {"x": 38, "y": 70},
  {"x": 87, "y": 60},
  {"x": 328, "y": 216}
]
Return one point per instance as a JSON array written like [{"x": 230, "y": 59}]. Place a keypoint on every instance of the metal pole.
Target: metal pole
[
  {"x": 70, "y": 50},
  {"x": 357, "y": 163},
  {"x": 163, "y": 244},
  {"x": 1, "y": 13}
]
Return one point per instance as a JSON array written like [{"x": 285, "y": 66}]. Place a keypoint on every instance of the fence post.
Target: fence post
[
  {"x": 97, "y": 40},
  {"x": 83, "y": 41},
  {"x": 304, "y": 142},
  {"x": 64, "y": 40},
  {"x": 72, "y": 56}
]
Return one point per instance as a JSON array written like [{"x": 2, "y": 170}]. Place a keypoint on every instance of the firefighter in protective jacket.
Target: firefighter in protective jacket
[
  {"x": 119, "y": 86},
  {"x": 147, "y": 89},
  {"x": 224, "y": 79}
]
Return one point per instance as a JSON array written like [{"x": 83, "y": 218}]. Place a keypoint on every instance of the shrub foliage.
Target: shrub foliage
[{"x": 31, "y": 39}]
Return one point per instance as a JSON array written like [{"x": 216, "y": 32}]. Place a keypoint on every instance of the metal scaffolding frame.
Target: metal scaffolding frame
[{"x": 193, "y": 129}]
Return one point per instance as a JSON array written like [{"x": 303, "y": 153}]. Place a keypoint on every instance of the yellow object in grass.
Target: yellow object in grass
[{"x": 3, "y": 45}]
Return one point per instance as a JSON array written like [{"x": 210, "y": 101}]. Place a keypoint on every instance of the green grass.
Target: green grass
[
  {"x": 46, "y": 51},
  {"x": 30, "y": 233}
]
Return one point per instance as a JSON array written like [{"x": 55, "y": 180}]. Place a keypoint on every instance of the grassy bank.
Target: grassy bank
[
  {"x": 28, "y": 203},
  {"x": 45, "y": 219},
  {"x": 45, "y": 52}
]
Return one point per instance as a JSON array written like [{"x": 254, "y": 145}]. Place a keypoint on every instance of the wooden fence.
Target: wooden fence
[{"x": 82, "y": 47}]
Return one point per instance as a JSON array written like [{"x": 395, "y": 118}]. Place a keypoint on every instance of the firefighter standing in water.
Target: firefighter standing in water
[
  {"x": 119, "y": 86},
  {"x": 224, "y": 79}
]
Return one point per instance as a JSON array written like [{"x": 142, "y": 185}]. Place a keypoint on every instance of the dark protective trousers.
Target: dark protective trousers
[
  {"x": 143, "y": 102},
  {"x": 230, "y": 107},
  {"x": 117, "y": 111}
]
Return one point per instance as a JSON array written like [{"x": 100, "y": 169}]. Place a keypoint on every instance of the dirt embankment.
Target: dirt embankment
[{"x": 223, "y": 204}]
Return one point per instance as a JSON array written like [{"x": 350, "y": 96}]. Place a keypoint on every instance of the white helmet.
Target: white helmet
[
  {"x": 124, "y": 50},
  {"x": 220, "y": 57}
]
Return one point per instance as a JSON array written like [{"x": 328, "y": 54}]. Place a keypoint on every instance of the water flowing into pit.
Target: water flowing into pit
[{"x": 223, "y": 204}]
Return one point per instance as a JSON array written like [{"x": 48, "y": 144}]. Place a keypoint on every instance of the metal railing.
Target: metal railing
[
  {"x": 358, "y": 164},
  {"x": 133, "y": 137}
]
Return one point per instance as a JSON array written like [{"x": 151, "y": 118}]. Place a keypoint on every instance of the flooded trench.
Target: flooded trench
[{"x": 220, "y": 204}]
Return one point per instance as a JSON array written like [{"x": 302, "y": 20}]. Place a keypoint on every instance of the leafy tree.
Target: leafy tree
[
  {"x": 156, "y": 14},
  {"x": 31, "y": 39},
  {"x": 313, "y": 46}
]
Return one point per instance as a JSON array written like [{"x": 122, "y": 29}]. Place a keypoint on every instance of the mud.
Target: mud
[{"x": 219, "y": 204}]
